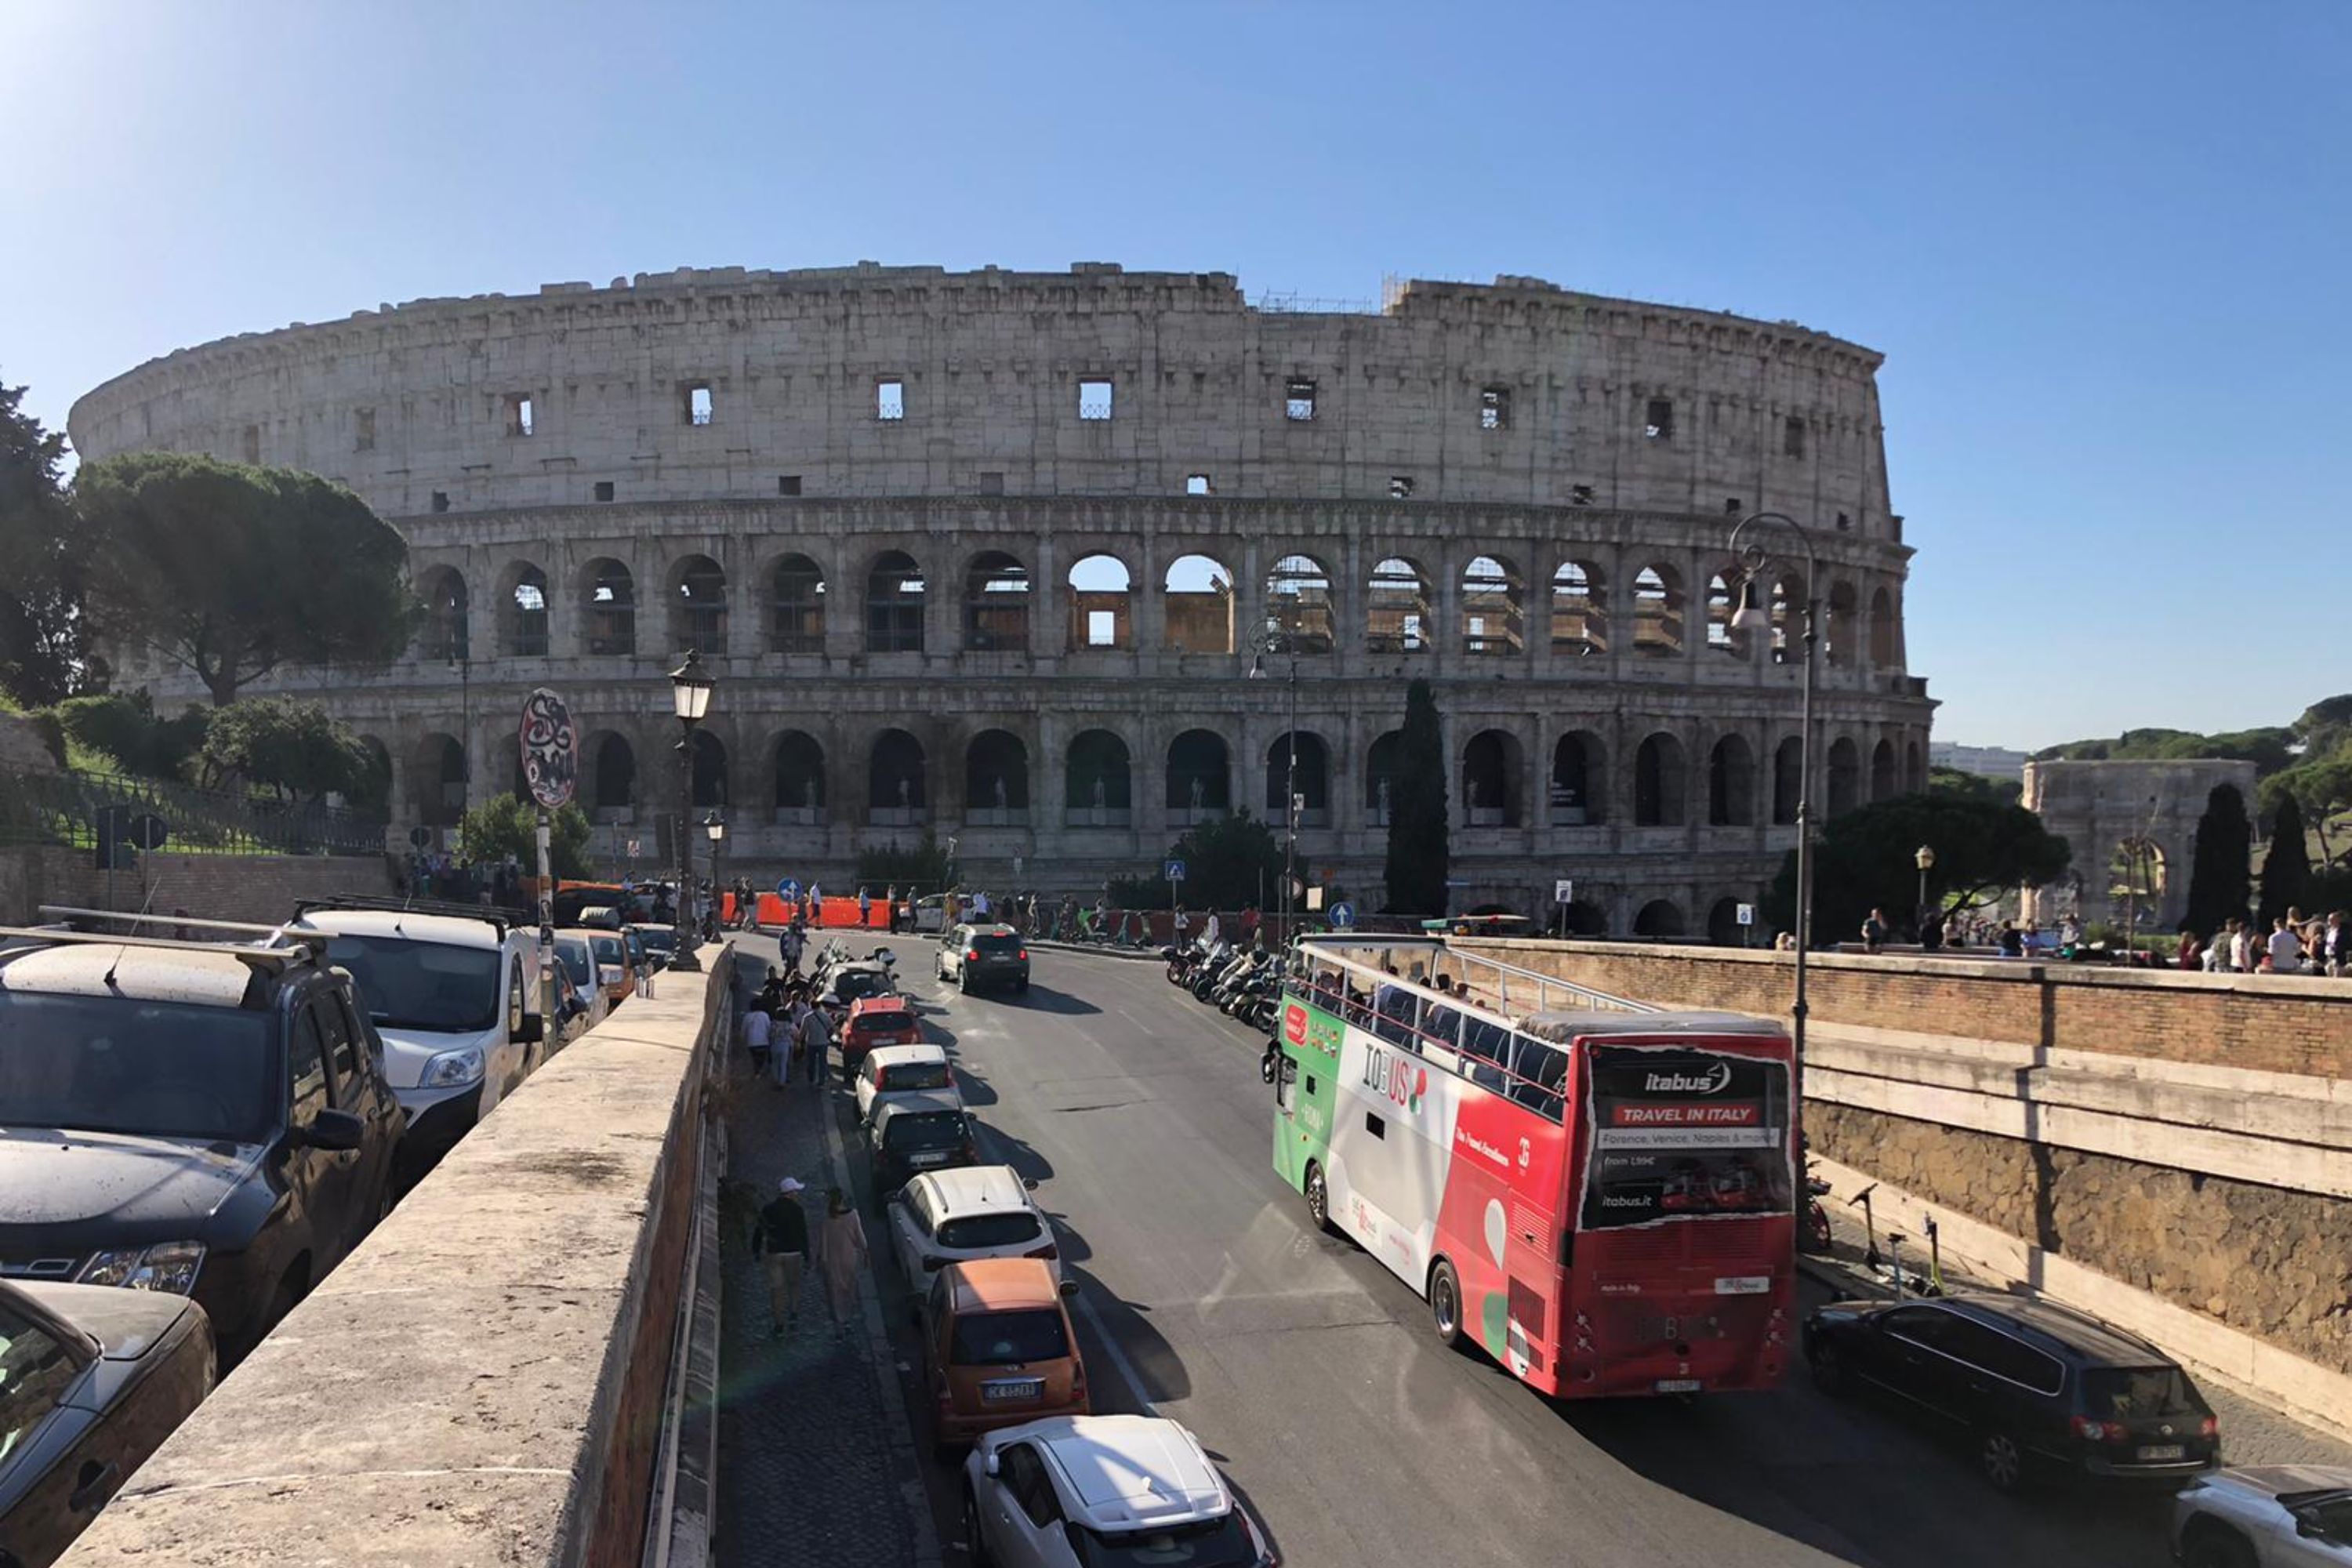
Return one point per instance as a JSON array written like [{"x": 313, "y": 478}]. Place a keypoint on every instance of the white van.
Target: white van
[{"x": 453, "y": 992}]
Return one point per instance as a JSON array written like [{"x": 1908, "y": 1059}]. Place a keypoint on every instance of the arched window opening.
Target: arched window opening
[
  {"x": 1098, "y": 785},
  {"x": 1579, "y": 622},
  {"x": 996, "y": 780},
  {"x": 796, "y": 606},
  {"x": 524, "y": 611},
  {"x": 1490, "y": 780},
  {"x": 1659, "y": 784},
  {"x": 894, "y": 605},
  {"x": 1881, "y": 630},
  {"x": 1578, "y": 774},
  {"x": 1722, "y": 602},
  {"x": 1298, "y": 608},
  {"x": 996, "y": 605},
  {"x": 1491, "y": 622},
  {"x": 698, "y": 606},
  {"x": 1380, "y": 764},
  {"x": 1659, "y": 918},
  {"x": 1102, "y": 605},
  {"x": 1584, "y": 918},
  {"x": 373, "y": 791},
  {"x": 895, "y": 796},
  {"x": 1915, "y": 773},
  {"x": 800, "y": 780},
  {"x": 612, "y": 609},
  {"x": 444, "y": 635},
  {"x": 440, "y": 774},
  {"x": 1657, "y": 613},
  {"x": 2136, "y": 881},
  {"x": 1845, "y": 777},
  {"x": 1837, "y": 637},
  {"x": 1198, "y": 606},
  {"x": 1881, "y": 771},
  {"x": 1723, "y": 927},
  {"x": 1788, "y": 611},
  {"x": 614, "y": 778},
  {"x": 1311, "y": 779},
  {"x": 709, "y": 771},
  {"x": 1730, "y": 784},
  {"x": 1397, "y": 617},
  {"x": 1199, "y": 781},
  {"x": 1788, "y": 780}
]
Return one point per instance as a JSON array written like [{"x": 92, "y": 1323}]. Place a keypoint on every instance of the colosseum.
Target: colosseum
[{"x": 994, "y": 554}]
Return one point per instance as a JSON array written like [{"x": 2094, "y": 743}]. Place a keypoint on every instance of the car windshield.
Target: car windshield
[
  {"x": 997, "y": 944},
  {"x": 659, "y": 939},
  {"x": 1014, "y": 1229},
  {"x": 609, "y": 951},
  {"x": 1003, "y": 1339},
  {"x": 426, "y": 986},
  {"x": 2128, "y": 1393},
  {"x": 1211, "y": 1543},
  {"x": 886, "y": 1022},
  {"x": 917, "y": 1075},
  {"x": 36, "y": 1371},
  {"x": 575, "y": 963},
  {"x": 855, "y": 985},
  {"x": 110, "y": 1064},
  {"x": 925, "y": 1130}
]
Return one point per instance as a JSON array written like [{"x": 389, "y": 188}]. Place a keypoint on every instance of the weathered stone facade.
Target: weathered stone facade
[
  {"x": 988, "y": 553},
  {"x": 2132, "y": 824},
  {"x": 2272, "y": 1262}
]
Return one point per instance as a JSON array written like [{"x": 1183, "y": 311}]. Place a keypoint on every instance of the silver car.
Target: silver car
[{"x": 2265, "y": 1516}]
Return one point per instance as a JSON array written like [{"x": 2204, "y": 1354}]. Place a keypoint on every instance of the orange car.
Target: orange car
[{"x": 998, "y": 1349}]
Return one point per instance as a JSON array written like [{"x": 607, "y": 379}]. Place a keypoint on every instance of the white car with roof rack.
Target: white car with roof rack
[
  {"x": 972, "y": 1212},
  {"x": 890, "y": 1072},
  {"x": 1092, "y": 1491}
]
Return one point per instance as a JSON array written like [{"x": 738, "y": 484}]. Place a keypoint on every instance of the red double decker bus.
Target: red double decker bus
[{"x": 1597, "y": 1192}]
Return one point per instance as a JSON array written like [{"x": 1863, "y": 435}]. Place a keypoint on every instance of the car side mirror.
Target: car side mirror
[
  {"x": 533, "y": 1030},
  {"x": 897, "y": 1197},
  {"x": 1069, "y": 1289},
  {"x": 337, "y": 1131},
  {"x": 988, "y": 1465},
  {"x": 2309, "y": 1528},
  {"x": 1028, "y": 1183}
]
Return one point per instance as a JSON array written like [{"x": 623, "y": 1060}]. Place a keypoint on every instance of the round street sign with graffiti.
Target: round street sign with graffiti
[{"x": 550, "y": 748}]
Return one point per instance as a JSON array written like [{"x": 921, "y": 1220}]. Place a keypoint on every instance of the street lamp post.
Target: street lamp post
[
  {"x": 1753, "y": 617},
  {"x": 716, "y": 826},
  {"x": 1926, "y": 860},
  {"x": 1274, "y": 642},
  {"x": 689, "y": 690}
]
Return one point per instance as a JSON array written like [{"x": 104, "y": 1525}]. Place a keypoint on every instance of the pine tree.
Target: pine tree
[
  {"x": 2286, "y": 869},
  {"x": 1419, "y": 856},
  {"x": 2220, "y": 868}
]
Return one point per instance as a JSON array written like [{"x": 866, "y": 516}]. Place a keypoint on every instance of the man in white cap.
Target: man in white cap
[{"x": 781, "y": 1243}]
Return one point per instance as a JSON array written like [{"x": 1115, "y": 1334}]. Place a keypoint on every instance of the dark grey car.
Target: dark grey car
[{"x": 977, "y": 956}]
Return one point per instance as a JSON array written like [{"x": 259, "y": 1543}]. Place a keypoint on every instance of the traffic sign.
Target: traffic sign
[
  {"x": 1563, "y": 890},
  {"x": 1343, "y": 915},
  {"x": 1747, "y": 914},
  {"x": 550, "y": 748},
  {"x": 789, "y": 891},
  {"x": 1175, "y": 871}
]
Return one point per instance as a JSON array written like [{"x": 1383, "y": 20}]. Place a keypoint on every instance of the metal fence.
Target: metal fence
[{"x": 67, "y": 809}]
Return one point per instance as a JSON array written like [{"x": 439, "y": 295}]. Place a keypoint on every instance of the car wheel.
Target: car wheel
[
  {"x": 1830, "y": 1373},
  {"x": 1318, "y": 1198},
  {"x": 976, "y": 1542},
  {"x": 2000, "y": 1459},
  {"x": 963, "y": 984},
  {"x": 1445, "y": 1304},
  {"x": 2215, "y": 1546}
]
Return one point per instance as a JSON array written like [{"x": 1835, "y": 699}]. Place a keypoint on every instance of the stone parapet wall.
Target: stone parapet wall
[{"x": 261, "y": 888}]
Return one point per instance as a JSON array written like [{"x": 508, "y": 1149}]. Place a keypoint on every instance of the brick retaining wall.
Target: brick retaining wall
[{"x": 217, "y": 886}]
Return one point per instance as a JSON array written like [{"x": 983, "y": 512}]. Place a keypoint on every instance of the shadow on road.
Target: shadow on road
[
  {"x": 1039, "y": 999},
  {"x": 1157, "y": 1365}
]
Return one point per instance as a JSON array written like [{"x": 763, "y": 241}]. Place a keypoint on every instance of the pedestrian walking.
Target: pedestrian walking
[
  {"x": 865, "y": 910},
  {"x": 1874, "y": 932},
  {"x": 758, "y": 1029},
  {"x": 816, "y": 1036},
  {"x": 781, "y": 1243},
  {"x": 891, "y": 907},
  {"x": 840, "y": 1252},
  {"x": 2335, "y": 943},
  {"x": 2285, "y": 947}
]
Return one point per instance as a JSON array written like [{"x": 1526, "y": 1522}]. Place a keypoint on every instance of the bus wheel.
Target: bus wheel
[
  {"x": 1445, "y": 1304},
  {"x": 1318, "y": 1198}
]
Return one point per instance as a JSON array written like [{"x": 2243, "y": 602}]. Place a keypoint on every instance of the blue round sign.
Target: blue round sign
[
  {"x": 1343, "y": 916},
  {"x": 788, "y": 889}
]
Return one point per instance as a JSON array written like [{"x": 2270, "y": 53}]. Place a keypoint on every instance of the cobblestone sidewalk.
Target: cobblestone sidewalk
[{"x": 816, "y": 1463}]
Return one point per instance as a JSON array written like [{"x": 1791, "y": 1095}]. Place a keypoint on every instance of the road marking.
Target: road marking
[{"x": 1125, "y": 1367}]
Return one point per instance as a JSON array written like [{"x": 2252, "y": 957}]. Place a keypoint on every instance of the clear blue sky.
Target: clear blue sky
[{"x": 2102, "y": 246}]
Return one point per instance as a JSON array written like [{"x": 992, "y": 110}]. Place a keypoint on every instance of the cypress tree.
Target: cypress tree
[
  {"x": 1418, "y": 856},
  {"x": 2220, "y": 868},
  {"x": 2286, "y": 869}
]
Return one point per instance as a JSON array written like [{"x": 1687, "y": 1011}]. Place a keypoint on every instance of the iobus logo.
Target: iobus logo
[
  {"x": 1294, "y": 1024},
  {"x": 1712, "y": 1081},
  {"x": 1406, "y": 1084}
]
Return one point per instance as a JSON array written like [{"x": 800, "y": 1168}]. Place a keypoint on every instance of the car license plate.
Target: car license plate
[
  {"x": 1743, "y": 1285},
  {"x": 1023, "y": 1388},
  {"x": 2152, "y": 1453},
  {"x": 939, "y": 1159},
  {"x": 1677, "y": 1385}
]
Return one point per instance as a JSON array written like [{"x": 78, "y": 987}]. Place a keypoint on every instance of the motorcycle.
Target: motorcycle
[{"x": 1213, "y": 969}]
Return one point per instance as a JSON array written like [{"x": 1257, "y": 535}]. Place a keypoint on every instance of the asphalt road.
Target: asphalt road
[{"x": 1311, "y": 1374}]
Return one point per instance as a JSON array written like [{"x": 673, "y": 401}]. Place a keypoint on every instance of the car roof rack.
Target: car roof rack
[
  {"x": 177, "y": 923},
  {"x": 504, "y": 920},
  {"x": 297, "y": 948}
]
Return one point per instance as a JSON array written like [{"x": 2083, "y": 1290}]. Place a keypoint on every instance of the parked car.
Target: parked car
[
  {"x": 575, "y": 955},
  {"x": 91, "y": 1381},
  {"x": 189, "y": 1118},
  {"x": 974, "y": 956},
  {"x": 955, "y": 1215},
  {"x": 1075, "y": 1491},
  {"x": 453, "y": 990},
  {"x": 998, "y": 1349},
  {"x": 660, "y": 942},
  {"x": 890, "y": 1072},
  {"x": 2038, "y": 1388},
  {"x": 927, "y": 1131},
  {"x": 852, "y": 980},
  {"x": 877, "y": 1021},
  {"x": 2265, "y": 1516},
  {"x": 930, "y": 913}
]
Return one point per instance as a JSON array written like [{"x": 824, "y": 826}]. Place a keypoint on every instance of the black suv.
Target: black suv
[
  {"x": 205, "y": 1119},
  {"x": 2039, "y": 1389}
]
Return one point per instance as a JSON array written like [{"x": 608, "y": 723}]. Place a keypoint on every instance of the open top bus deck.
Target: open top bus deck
[{"x": 1597, "y": 1191}]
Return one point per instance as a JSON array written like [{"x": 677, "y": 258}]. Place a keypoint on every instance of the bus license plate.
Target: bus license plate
[
  {"x": 1677, "y": 1385},
  {"x": 1743, "y": 1285},
  {"x": 1025, "y": 1388},
  {"x": 2151, "y": 1453}
]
